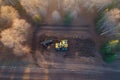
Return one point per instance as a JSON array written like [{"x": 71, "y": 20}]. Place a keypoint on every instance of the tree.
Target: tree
[
  {"x": 7, "y": 15},
  {"x": 90, "y": 5},
  {"x": 98, "y": 5},
  {"x": 1, "y": 2},
  {"x": 110, "y": 25},
  {"x": 35, "y": 7},
  {"x": 70, "y": 5},
  {"x": 16, "y": 37},
  {"x": 11, "y": 2},
  {"x": 56, "y": 17},
  {"x": 109, "y": 50}
]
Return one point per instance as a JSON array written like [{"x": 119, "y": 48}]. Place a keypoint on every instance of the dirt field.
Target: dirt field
[
  {"x": 82, "y": 48},
  {"x": 77, "y": 47}
]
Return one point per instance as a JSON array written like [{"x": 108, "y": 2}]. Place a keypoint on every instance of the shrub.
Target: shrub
[{"x": 109, "y": 50}]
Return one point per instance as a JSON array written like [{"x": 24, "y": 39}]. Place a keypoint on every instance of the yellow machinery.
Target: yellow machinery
[{"x": 62, "y": 45}]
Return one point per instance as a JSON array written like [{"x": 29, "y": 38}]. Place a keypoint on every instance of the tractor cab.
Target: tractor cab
[{"x": 62, "y": 45}]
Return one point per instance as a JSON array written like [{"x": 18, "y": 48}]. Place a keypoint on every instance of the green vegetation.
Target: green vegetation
[
  {"x": 108, "y": 25},
  {"x": 37, "y": 19},
  {"x": 68, "y": 19},
  {"x": 109, "y": 50}
]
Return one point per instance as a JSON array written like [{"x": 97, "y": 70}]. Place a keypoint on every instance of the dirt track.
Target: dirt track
[{"x": 85, "y": 73}]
